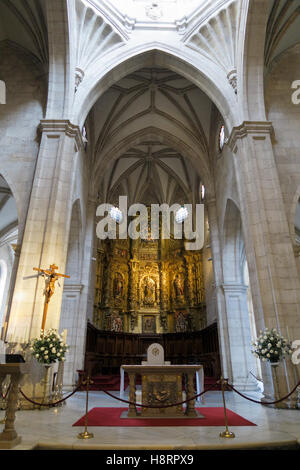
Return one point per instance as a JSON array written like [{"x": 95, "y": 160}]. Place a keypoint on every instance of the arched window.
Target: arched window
[{"x": 221, "y": 138}]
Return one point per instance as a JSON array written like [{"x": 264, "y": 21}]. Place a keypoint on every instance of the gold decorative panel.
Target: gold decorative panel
[
  {"x": 139, "y": 280},
  {"x": 161, "y": 390}
]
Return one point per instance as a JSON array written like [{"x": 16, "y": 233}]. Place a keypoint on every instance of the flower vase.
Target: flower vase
[
  {"x": 274, "y": 367},
  {"x": 46, "y": 383}
]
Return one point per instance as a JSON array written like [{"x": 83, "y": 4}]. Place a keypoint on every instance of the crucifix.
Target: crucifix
[{"x": 51, "y": 276}]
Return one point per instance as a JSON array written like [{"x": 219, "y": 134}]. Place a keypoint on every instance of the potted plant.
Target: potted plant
[{"x": 271, "y": 347}]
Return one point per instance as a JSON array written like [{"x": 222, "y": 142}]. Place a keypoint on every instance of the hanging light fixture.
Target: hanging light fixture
[
  {"x": 181, "y": 215},
  {"x": 116, "y": 214}
]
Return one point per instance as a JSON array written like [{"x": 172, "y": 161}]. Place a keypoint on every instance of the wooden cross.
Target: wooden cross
[{"x": 51, "y": 276}]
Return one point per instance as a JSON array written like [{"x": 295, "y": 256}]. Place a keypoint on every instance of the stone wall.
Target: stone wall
[
  {"x": 285, "y": 117},
  {"x": 19, "y": 120}
]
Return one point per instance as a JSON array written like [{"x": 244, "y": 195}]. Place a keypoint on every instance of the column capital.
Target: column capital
[
  {"x": 54, "y": 127},
  {"x": 258, "y": 129}
]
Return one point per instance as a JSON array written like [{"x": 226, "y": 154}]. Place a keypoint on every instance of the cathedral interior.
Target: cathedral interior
[{"x": 179, "y": 103}]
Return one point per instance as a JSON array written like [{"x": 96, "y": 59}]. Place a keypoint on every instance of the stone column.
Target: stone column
[
  {"x": 71, "y": 316},
  {"x": 85, "y": 293},
  {"x": 272, "y": 266},
  {"x": 91, "y": 257},
  {"x": 46, "y": 232},
  {"x": 221, "y": 305},
  {"x": 242, "y": 361}
]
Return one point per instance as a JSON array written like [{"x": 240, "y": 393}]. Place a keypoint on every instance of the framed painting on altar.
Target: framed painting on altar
[{"x": 149, "y": 324}]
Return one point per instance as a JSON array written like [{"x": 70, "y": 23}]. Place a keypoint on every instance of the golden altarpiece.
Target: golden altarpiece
[{"x": 149, "y": 287}]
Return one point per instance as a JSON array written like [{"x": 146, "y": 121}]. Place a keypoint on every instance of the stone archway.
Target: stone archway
[{"x": 118, "y": 65}]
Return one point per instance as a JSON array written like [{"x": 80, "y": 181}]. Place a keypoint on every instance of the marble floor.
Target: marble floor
[{"x": 52, "y": 428}]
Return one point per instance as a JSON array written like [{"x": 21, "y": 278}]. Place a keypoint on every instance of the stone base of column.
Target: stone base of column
[
  {"x": 244, "y": 386},
  {"x": 279, "y": 391},
  {"x": 283, "y": 405},
  {"x": 9, "y": 444},
  {"x": 292, "y": 403}
]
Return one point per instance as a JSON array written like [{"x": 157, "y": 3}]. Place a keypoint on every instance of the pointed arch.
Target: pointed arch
[
  {"x": 251, "y": 59},
  {"x": 233, "y": 244},
  {"x": 118, "y": 64}
]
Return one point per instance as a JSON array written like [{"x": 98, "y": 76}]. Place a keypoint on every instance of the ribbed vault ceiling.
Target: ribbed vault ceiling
[
  {"x": 144, "y": 167},
  {"x": 23, "y": 23},
  {"x": 283, "y": 27}
]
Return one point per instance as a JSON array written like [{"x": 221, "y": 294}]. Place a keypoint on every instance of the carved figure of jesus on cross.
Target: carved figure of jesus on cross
[{"x": 50, "y": 276}]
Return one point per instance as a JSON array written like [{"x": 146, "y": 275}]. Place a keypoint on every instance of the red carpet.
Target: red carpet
[{"x": 212, "y": 417}]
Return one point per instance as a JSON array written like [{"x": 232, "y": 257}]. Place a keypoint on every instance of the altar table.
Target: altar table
[{"x": 162, "y": 385}]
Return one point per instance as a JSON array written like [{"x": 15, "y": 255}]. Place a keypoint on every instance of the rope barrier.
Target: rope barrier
[
  {"x": 119, "y": 399},
  {"x": 139, "y": 405},
  {"x": 256, "y": 378},
  {"x": 52, "y": 403},
  {"x": 264, "y": 402}
]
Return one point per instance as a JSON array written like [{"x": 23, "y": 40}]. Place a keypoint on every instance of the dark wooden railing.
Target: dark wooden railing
[{"x": 106, "y": 351}]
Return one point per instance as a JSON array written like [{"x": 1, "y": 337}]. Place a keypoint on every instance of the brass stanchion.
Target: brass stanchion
[
  {"x": 86, "y": 434},
  {"x": 3, "y": 421},
  {"x": 225, "y": 433}
]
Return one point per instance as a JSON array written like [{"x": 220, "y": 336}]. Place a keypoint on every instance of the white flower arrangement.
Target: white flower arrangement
[
  {"x": 270, "y": 346},
  {"x": 49, "y": 353}
]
